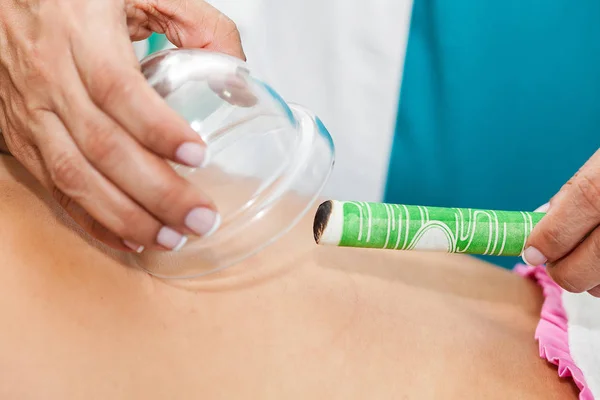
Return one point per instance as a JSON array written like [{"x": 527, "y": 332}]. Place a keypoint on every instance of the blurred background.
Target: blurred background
[
  {"x": 499, "y": 100},
  {"x": 340, "y": 58}
]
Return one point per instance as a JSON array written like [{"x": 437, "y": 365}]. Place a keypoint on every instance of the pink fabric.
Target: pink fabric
[{"x": 552, "y": 332}]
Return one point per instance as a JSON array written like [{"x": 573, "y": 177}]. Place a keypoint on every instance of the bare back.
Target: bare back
[{"x": 296, "y": 321}]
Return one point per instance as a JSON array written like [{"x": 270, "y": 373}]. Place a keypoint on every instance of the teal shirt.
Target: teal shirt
[{"x": 500, "y": 103}]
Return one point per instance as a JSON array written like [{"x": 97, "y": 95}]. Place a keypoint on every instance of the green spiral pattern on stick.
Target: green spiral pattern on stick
[{"x": 455, "y": 230}]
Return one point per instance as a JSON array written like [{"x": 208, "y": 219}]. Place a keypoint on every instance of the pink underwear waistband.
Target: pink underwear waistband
[{"x": 552, "y": 332}]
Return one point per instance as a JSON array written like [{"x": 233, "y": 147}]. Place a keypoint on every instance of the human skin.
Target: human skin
[
  {"x": 296, "y": 321},
  {"x": 567, "y": 239},
  {"x": 78, "y": 113}
]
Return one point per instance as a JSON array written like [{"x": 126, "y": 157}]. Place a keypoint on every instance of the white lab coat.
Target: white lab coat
[{"x": 342, "y": 59}]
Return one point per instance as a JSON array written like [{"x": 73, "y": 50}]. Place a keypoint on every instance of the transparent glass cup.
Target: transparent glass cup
[{"x": 267, "y": 160}]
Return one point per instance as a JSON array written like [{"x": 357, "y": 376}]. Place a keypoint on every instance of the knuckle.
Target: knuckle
[
  {"x": 171, "y": 195},
  {"x": 229, "y": 26},
  {"x": 36, "y": 68},
  {"x": 564, "y": 277},
  {"x": 131, "y": 219},
  {"x": 100, "y": 142},
  {"x": 66, "y": 171},
  {"x": 227, "y": 32},
  {"x": 550, "y": 241},
  {"x": 588, "y": 189},
  {"x": 108, "y": 85},
  {"x": 155, "y": 135}
]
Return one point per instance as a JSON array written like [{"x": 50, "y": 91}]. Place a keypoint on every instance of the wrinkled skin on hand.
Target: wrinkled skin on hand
[
  {"x": 567, "y": 239},
  {"x": 78, "y": 114}
]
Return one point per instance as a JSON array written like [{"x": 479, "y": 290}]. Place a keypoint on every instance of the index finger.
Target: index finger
[
  {"x": 574, "y": 213},
  {"x": 122, "y": 92}
]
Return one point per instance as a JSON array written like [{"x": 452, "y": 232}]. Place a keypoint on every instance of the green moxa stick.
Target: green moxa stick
[{"x": 402, "y": 227}]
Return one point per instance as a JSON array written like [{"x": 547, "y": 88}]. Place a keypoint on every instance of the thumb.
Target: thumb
[
  {"x": 574, "y": 213},
  {"x": 188, "y": 23}
]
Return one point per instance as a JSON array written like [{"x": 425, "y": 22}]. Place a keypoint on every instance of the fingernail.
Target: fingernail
[
  {"x": 138, "y": 248},
  {"x": 170, "y": 239},
  {"x": 533, "y": 257},
  {"x": 203, "y": 221},
  {"x": 543, "y": 209},
  {"x": 191, "y": 154}
]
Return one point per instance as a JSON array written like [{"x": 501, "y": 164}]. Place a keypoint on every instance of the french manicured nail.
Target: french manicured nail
[
  {"x": 203, "y": 221},
  {"x": 138, "y": 248},
  {"x": 533, "y": 257},
  {"x": 191, "y": 154},
  {"x": 170, "y": 239},
  {"x": 543, "y": 209}
]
